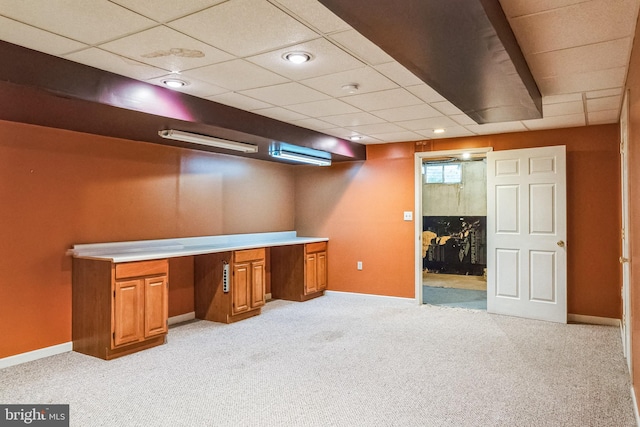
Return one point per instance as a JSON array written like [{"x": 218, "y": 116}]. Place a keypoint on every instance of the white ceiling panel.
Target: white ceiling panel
[
  {"x": 590, "y": 81},
  {"x": 165, "y": 48},
  {"x": 314, "y": 14},
  {"x": 462, "y": 119},
  {"x": 604, "y": 117},
  {"x": 107, "y": 61},
  {"x": 571, "y": 120},
  {"x": 236, "y": 75},
  {"x": 451, "y": 132},
  {"x": 361, "y": 47},
  {"x": 398, "y": 73},
  {"x": 315, "y": 124},
  {"x": 489, "y": 128},
  {"x": 326, "y": 107},
  {"x": 382, "y": 100},
  {"x": 166, "y": 10},
  {"x": 513, "y": 8},
  {"x": 428, "y": 124},
  {"x": 244, "y": 27},
  {"x": 195, "y": 87},
  {"x": 606, "y": 103},
  {"x": 412, "y": 112},
  {"x": 367, "y": 79},
  {"x": 425, "y": 93},
  {"x": 237, "y": 100},
  {"x": 376, "y": 128},
  {"x": 80, "y": 20},
  {"x": 563, "y": 108},
  {"x": 34, "y": 38},
  {"x": 327, "y": 59},
  {"x": 398, "y": 136},
  {"x": 604, "y": 93},
  {"x": 285, "y": 94},
  {"x": 353, "y": 119},
  {"x": 446, "y": 108},
  {"x": 280, "y": 113}
]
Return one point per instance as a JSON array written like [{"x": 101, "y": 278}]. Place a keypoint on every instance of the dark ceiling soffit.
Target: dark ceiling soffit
[
  {"x": 464, "y": 49},
  {"x": 45, "y": 90}
]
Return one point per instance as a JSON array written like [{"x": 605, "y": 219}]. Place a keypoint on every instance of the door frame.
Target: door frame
[
  {"x": 625, "y": 247},
  {"x": 419, "y": 156}
]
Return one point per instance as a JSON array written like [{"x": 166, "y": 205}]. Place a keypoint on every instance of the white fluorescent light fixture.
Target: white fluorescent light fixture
[
  {"x": 211, "y": 141},
  {"x": 303, "y": 158}
]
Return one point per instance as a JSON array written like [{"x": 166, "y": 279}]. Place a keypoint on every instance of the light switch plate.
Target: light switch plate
[{"x": 408, "y": 215}]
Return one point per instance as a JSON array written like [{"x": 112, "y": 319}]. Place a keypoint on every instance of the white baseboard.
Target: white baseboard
[
  {"x": 267, "y": 297},
  {"x": 35, "y": 354},
  {"x": 182, "y": 318},
  {"x": 371, "y": 295},
  {"x": 635, "y": 406},
  {"x": 592, "y": 320}
]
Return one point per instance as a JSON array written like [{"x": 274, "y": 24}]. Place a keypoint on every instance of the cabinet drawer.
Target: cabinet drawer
[
  {"x": 249, "y": 255},
  {"x": 142, "y": 268},
  {"x": 315, "y": 247}
]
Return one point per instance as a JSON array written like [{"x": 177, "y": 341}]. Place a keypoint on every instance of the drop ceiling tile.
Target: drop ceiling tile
[
  {"x": 347, "y": 134},
  {"x": 285, "y": 94},
  {"x": 513, "y": 8},
  {"x": 107, "y": 61},
  {"x": 80, "y": 20},
  {"x": 195, "y": 87},
  {"x": 428, "y": 124},
  {"x": 604, "y": 93},
  {"x": 446, "y": 108},
  {"x": 376, "y": 128},
  {"x": 404, "y": 136},
  {"x": 563, "y": 109},
  {"x": 463, "y": 119},
  {"x": 353, "y": 119},
  {"x": 237, "y": 100},
  {"x": 165, "y": 48},
  {"x": 312, "y": 123},
  {"x": 325, "y": 107},
  {"x": 367, "y": 79},
  {"x": 166, "y": 10},
  {"x": 280, "y": 113},
  {"x": 590, "y": 81},
  {"x": 382, "y": 100},
  {"x": 598, "y": 56},
  {"x": 451, "y": 132},
  {"x": 412, "y": 112},
  {"x": 315, "y": 14},
  {"x": 327, "y": 59},
  {"x": 236, "y": 75},
  {"x": 426, "y": 93},
  {"x": 490, "y": 128},
  {"x": 565, "y": 27},
  {"x": 398, "y": 74},
  {"x": 571, "y": 120},
  {"x": 604, "y": 117},
  {"x": 361, "y": 47},
  {"x": 606, "y": 103},
  {"x": 557, "y": 99},
  {"x": 34, "y": 38},
  {"x": 244, "y": 27}
]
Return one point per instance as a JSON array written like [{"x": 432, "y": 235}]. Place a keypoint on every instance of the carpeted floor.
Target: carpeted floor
[{"x": 346, "y": 360}]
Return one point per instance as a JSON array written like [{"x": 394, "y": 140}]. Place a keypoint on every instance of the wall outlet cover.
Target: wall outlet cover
[{"x": 408, "y": 215}]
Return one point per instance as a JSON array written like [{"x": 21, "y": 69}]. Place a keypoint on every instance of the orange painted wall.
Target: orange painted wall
[
  {"x": 60, "y": 188},
  {"x": 633, "y": 87},
  {"x": 360, "y": 205}
]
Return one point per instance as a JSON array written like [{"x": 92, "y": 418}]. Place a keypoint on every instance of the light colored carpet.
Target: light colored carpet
[
  {"x": 439, "y": 280},
  {"x": 346, "y": 360}
]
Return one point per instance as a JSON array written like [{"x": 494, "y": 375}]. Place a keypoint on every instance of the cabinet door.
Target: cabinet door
[
  {"x": 311, "y": 275},
  {"x": 257, "y": 284},
  {"x": 128, "y": 311},
  {"x": 156, "y": 307},
  {"x": 241, "y": 287},
  {"x": 321, "y": 270}
]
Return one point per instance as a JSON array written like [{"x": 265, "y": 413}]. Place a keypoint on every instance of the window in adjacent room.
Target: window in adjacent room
[{"x": 443, "y": 173}]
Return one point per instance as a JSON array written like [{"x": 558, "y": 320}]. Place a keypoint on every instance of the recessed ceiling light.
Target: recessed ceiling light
[
  {"x": 440, "y": 130},
  {"x": 355, "y": 138},
  {"x": 297, "y": 57},
  {"x": 174, "y": 83}
]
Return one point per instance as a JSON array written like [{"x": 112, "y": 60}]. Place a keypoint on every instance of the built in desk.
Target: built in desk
[{"x": 120, "y": 289}]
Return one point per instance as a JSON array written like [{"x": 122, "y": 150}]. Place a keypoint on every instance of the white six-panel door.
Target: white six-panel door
[{"x": 526, "y": 233}]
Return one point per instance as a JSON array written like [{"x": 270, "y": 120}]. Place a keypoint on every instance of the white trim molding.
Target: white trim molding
[
  {"x": 635, "y": 405},
  {"x": 593, "y": 320},
  {"x": 35, "y": 354}
]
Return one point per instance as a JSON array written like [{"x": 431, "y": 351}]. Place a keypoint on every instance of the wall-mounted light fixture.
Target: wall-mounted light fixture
[
  {"x": 211, "y": 141},
  {"x": 303, "y": 158}
]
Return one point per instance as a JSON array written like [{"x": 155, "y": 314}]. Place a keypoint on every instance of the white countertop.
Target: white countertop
[{"x": 143, "y": 250}]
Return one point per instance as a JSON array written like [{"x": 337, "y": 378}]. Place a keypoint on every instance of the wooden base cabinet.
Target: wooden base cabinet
[
  {"x": 119, "y": 309},
  {"x": 299, "y": 272},
  {"x": 244, "y": 294}
]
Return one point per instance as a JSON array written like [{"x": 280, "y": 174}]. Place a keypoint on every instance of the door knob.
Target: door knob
[
  {"x": 560, "y": 243},
  {"x": 623, "y": 260}
]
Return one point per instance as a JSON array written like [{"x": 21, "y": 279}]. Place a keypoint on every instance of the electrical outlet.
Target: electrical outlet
[
  {"x": 408, "y": 215},
  {"x": 359, "y": 265}
]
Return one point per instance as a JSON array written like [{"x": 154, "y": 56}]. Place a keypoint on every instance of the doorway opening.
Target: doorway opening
[{"x": 451, "y": 218}]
